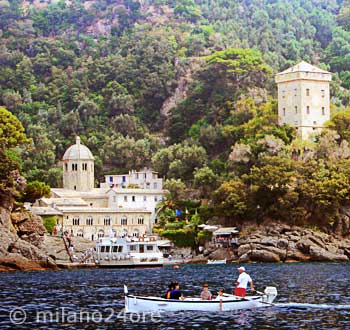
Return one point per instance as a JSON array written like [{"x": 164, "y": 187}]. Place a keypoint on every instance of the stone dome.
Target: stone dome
[{"x": 78, "y": 151}]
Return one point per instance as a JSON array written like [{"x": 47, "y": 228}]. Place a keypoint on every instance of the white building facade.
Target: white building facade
[
  {"x": 303, "y": 98},
  {"x": 93, "y": 213}
]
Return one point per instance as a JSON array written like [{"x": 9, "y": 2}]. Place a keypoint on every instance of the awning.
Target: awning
[{"x": 226, "y": 231}]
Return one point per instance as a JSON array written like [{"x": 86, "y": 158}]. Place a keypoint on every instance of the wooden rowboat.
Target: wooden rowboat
[{"x": 139, "y": 304}]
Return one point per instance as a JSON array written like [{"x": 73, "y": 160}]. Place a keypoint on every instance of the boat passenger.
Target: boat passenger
[
  {"x": 171, "y": 287},
  {"x": 176, "y": 293},
  {"x": 220, "y": 294},
  {"x": 242, "y": 283},
  {"x": 206, "y": 294}
]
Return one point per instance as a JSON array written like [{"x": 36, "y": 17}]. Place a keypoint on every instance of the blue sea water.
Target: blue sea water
[{"x": 311, "y": 296}]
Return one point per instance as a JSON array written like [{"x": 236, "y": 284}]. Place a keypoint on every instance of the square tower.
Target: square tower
[{"x": 303, "y": 98}]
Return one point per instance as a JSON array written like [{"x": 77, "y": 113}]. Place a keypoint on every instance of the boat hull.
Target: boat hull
[{"x": 136, "y": 304}]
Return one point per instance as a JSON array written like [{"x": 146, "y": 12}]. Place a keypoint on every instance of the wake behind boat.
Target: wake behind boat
[{"x": 228, "y": 302}]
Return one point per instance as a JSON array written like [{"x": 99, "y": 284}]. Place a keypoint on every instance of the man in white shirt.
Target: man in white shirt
[{"x": 242, "y": 283}]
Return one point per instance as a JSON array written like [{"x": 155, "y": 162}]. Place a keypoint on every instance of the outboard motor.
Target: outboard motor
[{"x": 270, "y": 294}]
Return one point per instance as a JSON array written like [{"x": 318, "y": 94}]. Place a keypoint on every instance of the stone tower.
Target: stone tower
[
  {"x": 78, "y": 168},
  {"x": 303, "y": 98}
]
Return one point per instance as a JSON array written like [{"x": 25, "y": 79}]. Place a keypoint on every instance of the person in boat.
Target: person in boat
[
  {"x": 206, "y": 294},
  {"x": 220, "y": 294},
  {"x": 171, "y": 287},
  {"x": 242, "y": 283},
  {"x": 176, "y": 293}
]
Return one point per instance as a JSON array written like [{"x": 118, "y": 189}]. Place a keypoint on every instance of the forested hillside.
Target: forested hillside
[{"x": 185, "y": 87}]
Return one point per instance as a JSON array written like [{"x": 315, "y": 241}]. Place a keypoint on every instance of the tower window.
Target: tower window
[
  {"x": 296, "y": 109},
  {"x": 66, "y": 166},
  {"x": 125, "y": 198},
  {"x": 307, "y": 92},
  {"x": 323, "y": 111},
  {"x": 73, "y": 167},
  {"x": 322, "y": 93},
  {"x": 284, "y": 111},
  {"x": 295, "y": 92},
  {"x": 75, "y": 187},
  {"x": 283, "y": 94},
  {"x": 133, "y": 198},
  {"x": 308, "y": 110}
]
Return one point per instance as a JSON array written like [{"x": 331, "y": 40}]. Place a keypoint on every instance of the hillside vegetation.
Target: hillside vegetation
[{"x": 185, "y": 87}]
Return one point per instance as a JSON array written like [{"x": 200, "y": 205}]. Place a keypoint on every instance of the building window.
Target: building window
[
  {"x": 296, "y": 109},
  {"x": 107, "y": 221},
  {"x": 124, "y": 221},
  {"x": 84, "y": 166},
  {"x": 323, "y": 111},
  {"x": 110, "y": 179},
  {"x": 323, "y": 94},
  {"x": 75, "y": 221},
  {"x": 133, "y": 198},
  {"x": 66, "y": 167},
  {"x": 284, "y": 111},
  {"x": 307, "y": 92},
  {"x": 140, "y": 221},
  {"x": 125, "y": 198},
  {"x": 144, "y": 198},
  {"x": 295, "y": 92},
  {"x": 135, "y": 234},
  {"x": 145, "y": 175},
  {"x": 155, "y": 185},
  {"x": 137, "y": 175},
  {"x": 72, "y": 167},
  {"x": 80, "y": 233},
  {"x": 75, "y": 187},
  {"x": 283, "y": 94},
  {"x": 308, "y": 110},
  {"x": 89, "y": 221},
  {"x": 315, "y": 123},
  {"x": 123, "y": 178},
  {"x": 101, "y": 234}
]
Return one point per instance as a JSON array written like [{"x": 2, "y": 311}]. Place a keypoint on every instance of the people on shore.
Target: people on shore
[
  {"x": 242, "y": 283},
  {"x": 206, "y": 294}
]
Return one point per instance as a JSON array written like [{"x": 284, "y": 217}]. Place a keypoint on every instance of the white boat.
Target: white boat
[
  {"x": 216, "y": 262},
  {"x": 128, "y": 253},
  {"x": 228, "y": 302}
]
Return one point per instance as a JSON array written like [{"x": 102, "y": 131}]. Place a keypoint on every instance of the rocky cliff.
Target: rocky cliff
[
  {"x": 280, "y": 242},
  {"x": 22, "y": 245}
]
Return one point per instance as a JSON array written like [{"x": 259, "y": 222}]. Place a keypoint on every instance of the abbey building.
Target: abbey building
[{"x": 123, "y": 205}]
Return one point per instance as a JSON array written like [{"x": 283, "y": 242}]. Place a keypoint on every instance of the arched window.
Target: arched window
[
  {"x": 101, "y": 234},
  {"x": 124, "y": 220},
  {"x": 107, "y": 221},
  {"x": 140, "y": 221},
  {"x": 66, "y": 167},
  {"x": 76, "y": 221},
  {"x": 136, "y": 233},
  {"x": 80, "y": 233},
  {"x": 89, "y": 221}
]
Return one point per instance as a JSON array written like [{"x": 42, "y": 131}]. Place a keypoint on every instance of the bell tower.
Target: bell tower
[{"x": 78, "y": 168}]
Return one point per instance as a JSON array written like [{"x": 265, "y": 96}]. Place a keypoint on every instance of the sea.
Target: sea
[{"x": 310, "y": 296}]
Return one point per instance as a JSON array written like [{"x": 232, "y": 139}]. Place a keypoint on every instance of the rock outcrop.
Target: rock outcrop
[
  {"x": 280, "y": 242},
  {"x": 22, "y": 239}
]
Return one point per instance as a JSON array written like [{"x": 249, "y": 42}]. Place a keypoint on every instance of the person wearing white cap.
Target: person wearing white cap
[{"x": 242, "y": 283}]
